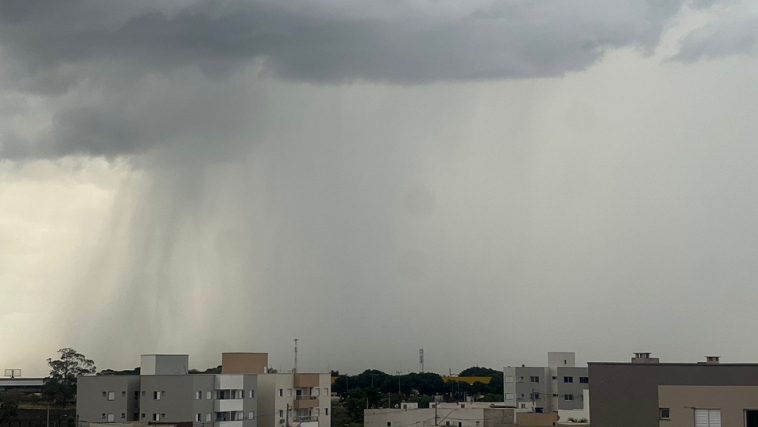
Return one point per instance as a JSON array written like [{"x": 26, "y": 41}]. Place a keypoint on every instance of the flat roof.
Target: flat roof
[{"x": 672, "y": 364}]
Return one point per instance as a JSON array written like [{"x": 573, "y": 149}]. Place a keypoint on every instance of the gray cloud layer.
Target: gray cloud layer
[{"x": 97, "y": 62}]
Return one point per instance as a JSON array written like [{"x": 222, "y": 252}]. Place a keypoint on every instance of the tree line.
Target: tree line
[{"x": 376, "y": 389}]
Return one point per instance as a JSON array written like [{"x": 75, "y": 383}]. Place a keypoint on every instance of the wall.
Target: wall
[
  {"x": 577, "y": 414},
  {"x": 574, "y": 388},
  {"x": 524, "y": 386},
  {"x": 90, "y": 403},
  {"x": 535, "y": 419},
  {"x": 164, "y": 364},
  {"x": 425, "y": 417},
  {"x": 731, "y": 400},
  {"x": 244, "y": 363}
]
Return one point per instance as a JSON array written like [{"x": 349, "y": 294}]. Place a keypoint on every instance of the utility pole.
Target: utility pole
[{"x": 436, "y": 403}]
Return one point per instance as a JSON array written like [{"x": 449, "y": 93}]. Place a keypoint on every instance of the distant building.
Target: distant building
[
  {"x": 458, "y": 414},
  {"x": 647, "y": 393},
  {"x": 558, "y": 386},
  {"x": 242, "y": 395},
  {"x": 22, "y": 385}
]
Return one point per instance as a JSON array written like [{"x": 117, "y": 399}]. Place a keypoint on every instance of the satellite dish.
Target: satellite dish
[{"x": 13, "y": 373}]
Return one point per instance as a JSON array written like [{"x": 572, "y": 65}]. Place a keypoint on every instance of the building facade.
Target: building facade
[
  {"x": 559, "y": 386},
  {"x": 295, "y": 399},
  {"x": 243, "y": 395},
  {"x": 647, "y": 393}
]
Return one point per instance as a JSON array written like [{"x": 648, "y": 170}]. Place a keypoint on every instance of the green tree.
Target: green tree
[
  {"x": 8, "y": 407},
  {"x": 60, "y": 386}
]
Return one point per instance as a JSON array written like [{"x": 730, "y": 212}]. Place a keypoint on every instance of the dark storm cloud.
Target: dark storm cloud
[
  {"x": 497, "y": 40},
  {"x": 115, "y": 56}
]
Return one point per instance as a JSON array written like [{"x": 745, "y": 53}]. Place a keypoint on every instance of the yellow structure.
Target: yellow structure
[{"x": 470, "y": 380}]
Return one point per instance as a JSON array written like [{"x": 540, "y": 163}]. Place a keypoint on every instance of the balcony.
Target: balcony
[
  {"x": 227, "y": 405},
  {"x": 305, "y": 402},
  {"x": 227, "y": 424},
  {"x": 305, "y": 418}
]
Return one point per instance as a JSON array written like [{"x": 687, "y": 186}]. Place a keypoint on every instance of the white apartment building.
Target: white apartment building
[
  {"x": 559, "y": 386},
  {"x": 243, "y": 395}
]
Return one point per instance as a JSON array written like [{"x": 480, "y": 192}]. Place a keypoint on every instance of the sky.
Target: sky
[{"x": 489, "y": 180}]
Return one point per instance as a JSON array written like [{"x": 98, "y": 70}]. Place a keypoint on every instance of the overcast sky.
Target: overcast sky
[{"x": 489, "y": 180}]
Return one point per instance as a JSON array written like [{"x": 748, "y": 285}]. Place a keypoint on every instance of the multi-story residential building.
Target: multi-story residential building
[
  {"x": 165, "y": 392},
  {"x": 288, "y": 399},
  {"x": 647, "y": 393},
  {"x": 558, "y": 386}
]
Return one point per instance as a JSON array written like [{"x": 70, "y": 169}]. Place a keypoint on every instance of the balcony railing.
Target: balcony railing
[
  {"x": 306, "y": 397},
  {"x": 305, "y": 418}
]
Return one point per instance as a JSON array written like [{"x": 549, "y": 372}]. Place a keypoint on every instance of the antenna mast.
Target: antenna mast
[
  {"x": 295, "y": 370},
  {"x": 421, "y": 358}
]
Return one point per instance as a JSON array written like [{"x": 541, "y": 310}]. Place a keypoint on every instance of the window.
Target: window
[
  {"x": 584, "y": 380},
  {"x": 568, "y": 379},
  {"x": 111, "y": 418},
  {"x": 240, "y": 394},
  {"x": 509, "y": 379},
  {"x": 665, "y": 413},
  {"x": 111, "y": 395},
  {"x": 314, "y": 392},
  {"x": 207, "y": 417},
  {"x": 326, "y": 392},
  {"x": 123, "y": 394},
  {"x": 389, "y": 423},
  {"x": 326, "y": 411},
  {"x": 156, "y": 417},
  {"x": 534, "y": 379},
  {"x": 208, "y": 395},
  {"x": 199, "y": 395},
  {"x": 251, "y": 394},
  {"x": 477, "y": 423},
  {"x": 281, "y": 392},
  {"x": 198, "y": 417},
  {"x": 105, "y": 394},
  {"x": 316, "y": 411},
  {"x": 156, "y": 395},
  {"x": 163, "y": 415},
  {"x": 707, "y": 418},
  {"x": 136, "y": 394},
  {"x": 281, "y": 413},
  {"x": 251, "y": 415},
  {"x": 143, "y": 392},
  {"x": 535, "y": 396},
  {"x": 136, "y": 416},
  {"x": 102, "y": 415},
  {"x": 289, "y": 392},
  {"x": 123, "y": 415},
  {"x": 568, "y": 397},
  {"x": 460, "y": 424},
  {"x": 142, "y": 415},
  {"x": 554, "y": 377}
]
